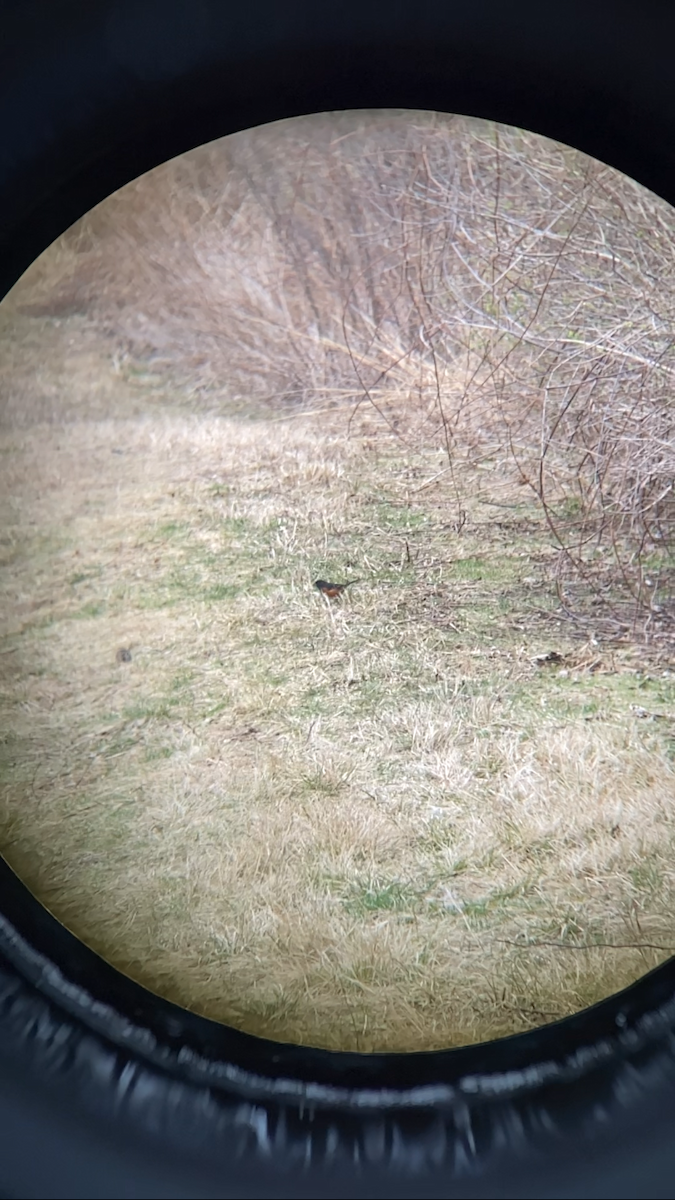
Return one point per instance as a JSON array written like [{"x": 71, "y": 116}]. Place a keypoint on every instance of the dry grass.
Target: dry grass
[{"x": 374, "y": 825}]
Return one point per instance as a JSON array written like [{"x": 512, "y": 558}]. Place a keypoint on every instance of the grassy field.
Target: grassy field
[{"x": 381, "y": 823}]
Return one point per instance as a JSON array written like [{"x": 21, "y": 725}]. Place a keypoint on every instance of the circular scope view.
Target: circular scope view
[{"x": 338, "y": 616}]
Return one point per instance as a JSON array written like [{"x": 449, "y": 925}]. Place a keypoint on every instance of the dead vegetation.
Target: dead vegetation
[{"x": 477, "y": 286}]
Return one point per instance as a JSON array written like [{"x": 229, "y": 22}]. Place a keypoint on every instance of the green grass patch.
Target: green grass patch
[{"x": 312, "y": 819}]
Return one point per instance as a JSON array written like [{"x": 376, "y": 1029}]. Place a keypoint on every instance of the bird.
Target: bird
[{"x": 333, "y": 590}]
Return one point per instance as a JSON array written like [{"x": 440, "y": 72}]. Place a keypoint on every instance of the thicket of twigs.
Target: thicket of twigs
[{"x": 471, "y": 282}]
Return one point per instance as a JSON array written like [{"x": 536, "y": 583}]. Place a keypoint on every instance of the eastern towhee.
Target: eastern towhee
[{"x": 333, "y": 590}]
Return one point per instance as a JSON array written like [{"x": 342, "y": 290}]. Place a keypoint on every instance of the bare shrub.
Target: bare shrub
[{"x": 476, "y": 286}]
